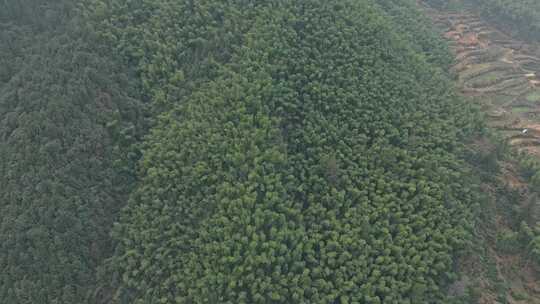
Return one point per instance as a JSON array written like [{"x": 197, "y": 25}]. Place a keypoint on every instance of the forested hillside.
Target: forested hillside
[
  {"x": 319, "y": 140},
  {"x": 66, "y": 109},
  {"x": 167, "y": 151}
]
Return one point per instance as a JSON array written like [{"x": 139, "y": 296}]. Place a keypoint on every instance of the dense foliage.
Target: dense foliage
[
  {"x": 530, "y": 168},
  {"x": 296, "y": 152},
  {"x": 175, "y": 46},
  {"x": 418, "y": 30},
  {"x": 315, "y": 159},
  {"x": 61, "y": 172}
]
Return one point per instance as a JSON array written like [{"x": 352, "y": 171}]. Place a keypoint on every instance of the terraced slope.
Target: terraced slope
[{"x": 502, "y": 74}]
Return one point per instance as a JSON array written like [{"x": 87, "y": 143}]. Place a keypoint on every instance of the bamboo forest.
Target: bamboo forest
[{"x": 258, "y": 151}]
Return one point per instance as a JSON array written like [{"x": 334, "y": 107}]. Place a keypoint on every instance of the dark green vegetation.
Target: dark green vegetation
[
  {"x": 502, "y": 264},
  {"x": 417, "y": 30},
  {"x": 316, "y": 162},
  {"x": 65, "y": 115},
  {"x": 296, "y": 152},
  {"x": 530, "y": 226},
  {"x": 530, "y": 168}
]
